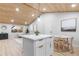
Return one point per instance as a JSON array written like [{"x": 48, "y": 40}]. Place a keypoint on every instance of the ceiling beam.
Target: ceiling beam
[{"x": 32, "y": 7}]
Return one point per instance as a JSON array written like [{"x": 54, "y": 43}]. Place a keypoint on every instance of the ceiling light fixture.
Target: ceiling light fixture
[
  {"x": 32, "y": 15},
  {"x": 25, "y": 22},
  {"x": 39, "y": 19},
  {"x": 17, "y": 9},
  {"x": 73, "y": 5},
  {"x": 44, "y": 9},
  {"x": 12, "y": 20}
]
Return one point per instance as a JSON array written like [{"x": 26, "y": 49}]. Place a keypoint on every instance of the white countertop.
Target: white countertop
[{"x": 34, "y": 37}]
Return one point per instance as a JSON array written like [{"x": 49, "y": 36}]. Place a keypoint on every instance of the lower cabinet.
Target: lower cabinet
[
  {"x": 48, "y": 47},
  {"x": 43, "y": 48},
  {"x": 40, "y": 50},
  {"x": 40, "y": 47}
]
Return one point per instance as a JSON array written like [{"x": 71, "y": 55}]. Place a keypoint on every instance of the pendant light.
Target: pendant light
[{"x": 38, "y": 19}]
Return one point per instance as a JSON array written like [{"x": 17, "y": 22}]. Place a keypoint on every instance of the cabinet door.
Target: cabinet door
[
  {"x": 48, "y": 47},
  {"x": 40, "y": 50}
]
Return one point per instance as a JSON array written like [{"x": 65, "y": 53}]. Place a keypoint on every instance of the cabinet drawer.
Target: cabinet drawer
[
  {"x": 40, "y": 50},
  {"x": 40, "y": 42}
]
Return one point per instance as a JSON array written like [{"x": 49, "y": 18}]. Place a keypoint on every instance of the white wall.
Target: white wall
[
  {"x": 51, "y": 22},
  {"x": 45, "y": 23}
]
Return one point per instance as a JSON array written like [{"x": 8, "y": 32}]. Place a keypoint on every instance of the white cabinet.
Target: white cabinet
[
  {"x": 40, "y": 47},
  {"x": 48, "y": 47},
  {"x": 43, "y": 47},
  {"x": 40, "y": 50}
]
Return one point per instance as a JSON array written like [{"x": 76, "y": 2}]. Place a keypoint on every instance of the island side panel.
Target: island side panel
[{"x": 28, "y": 47}]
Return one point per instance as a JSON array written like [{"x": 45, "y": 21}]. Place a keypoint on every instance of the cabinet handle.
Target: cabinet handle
[
  {"x": 50, "y": 45},
  {"x": 41, "y": 46},
  {"x": 40, "y": 39},
  {"x": 50, "y": 37}
]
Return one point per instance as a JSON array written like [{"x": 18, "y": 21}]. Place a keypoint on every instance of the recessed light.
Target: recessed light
[
  {"x": 25, "y": 22},
  {"x": 33, "y": 15},
  {"x": 12, "y": 20},
  {"x": 44, "y": 9},
  {"x": 73, "y": 5},
  {"x": 17, "y": 9}
]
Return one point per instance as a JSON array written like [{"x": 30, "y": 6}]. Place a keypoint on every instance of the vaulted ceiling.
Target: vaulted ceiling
[{"x": 28, "y": 12}]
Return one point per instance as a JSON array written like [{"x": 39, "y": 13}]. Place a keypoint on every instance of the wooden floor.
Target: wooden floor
[
  {"x": 75, "y": 53},
  {"x": 9, "y": 47}
]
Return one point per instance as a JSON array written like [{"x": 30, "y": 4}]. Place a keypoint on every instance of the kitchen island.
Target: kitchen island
[{"x": 40, "y": 45}]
